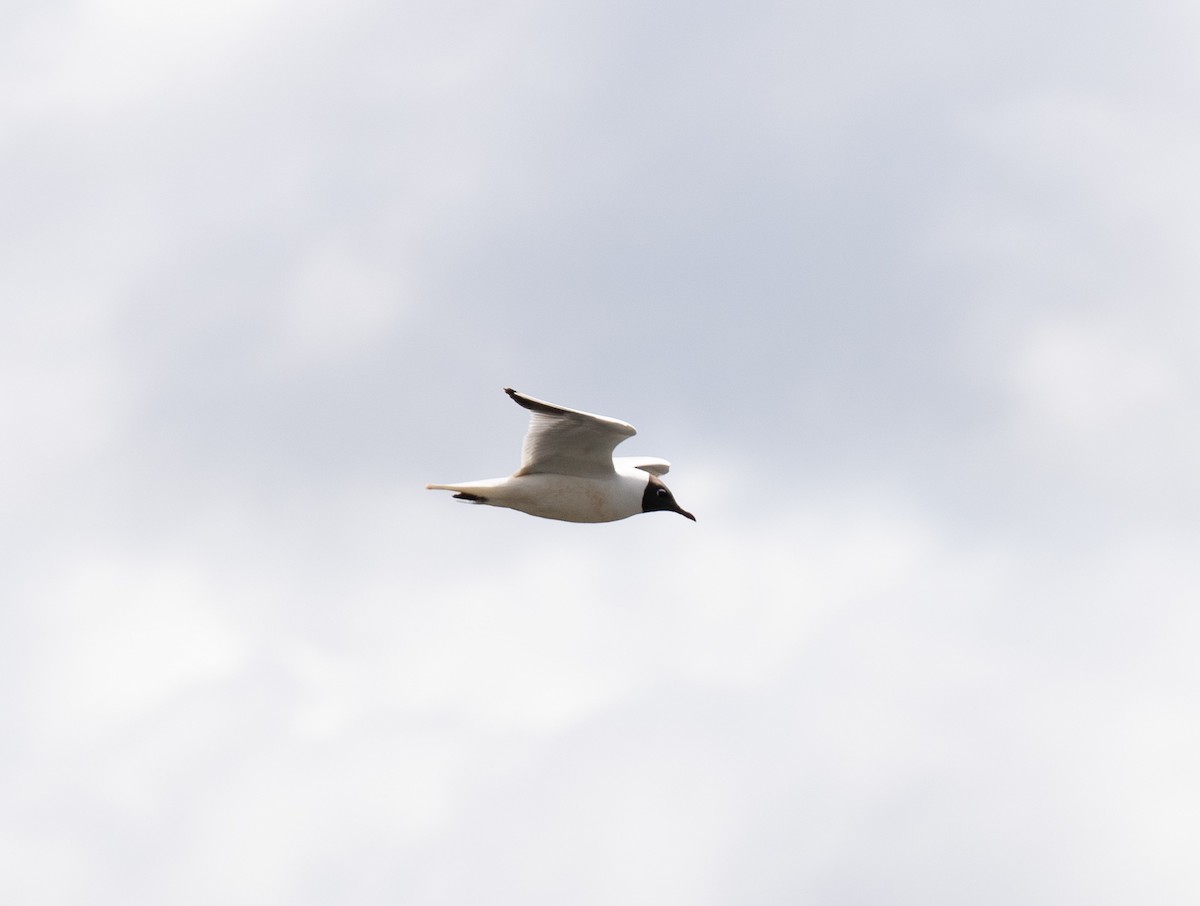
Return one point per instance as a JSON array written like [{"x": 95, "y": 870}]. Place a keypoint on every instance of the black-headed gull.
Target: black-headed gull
[{"x": 568, "y": 471}]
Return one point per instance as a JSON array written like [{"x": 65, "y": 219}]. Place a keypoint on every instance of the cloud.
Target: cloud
[
  {"x": 111, "y": 54},
  {"x": 907, "y": 299},
  {"x": 819, "y": 704},
  {"x": 1089, "y": 379},
  {"x": 336, "y": 304}
]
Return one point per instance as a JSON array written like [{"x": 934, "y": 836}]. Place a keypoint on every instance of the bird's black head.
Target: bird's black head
[{"x": 657, "y": 497}]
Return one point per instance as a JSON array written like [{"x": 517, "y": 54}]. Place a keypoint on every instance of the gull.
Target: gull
[{"x": 568, "y": 470}]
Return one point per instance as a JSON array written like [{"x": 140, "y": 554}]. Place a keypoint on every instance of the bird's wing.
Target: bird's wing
[
  {"x": 651, "y": 464},
  {"x": 563, "y": 441}
]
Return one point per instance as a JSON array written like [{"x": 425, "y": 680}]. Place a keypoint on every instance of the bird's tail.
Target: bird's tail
[{"x": 463, "y": 492}]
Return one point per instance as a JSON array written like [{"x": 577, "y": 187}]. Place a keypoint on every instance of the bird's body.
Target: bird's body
[
  {"x": 568, "y": 471},
  {"x": 564, "y": 497}
]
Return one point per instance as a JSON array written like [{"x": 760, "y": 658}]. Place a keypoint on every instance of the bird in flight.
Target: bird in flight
[{"x": 568, "y": 470}]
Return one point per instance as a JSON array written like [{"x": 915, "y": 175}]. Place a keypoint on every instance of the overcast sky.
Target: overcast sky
[{"x": 907, "y": 293}]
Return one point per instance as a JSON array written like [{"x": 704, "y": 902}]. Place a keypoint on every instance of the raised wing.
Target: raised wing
[
  {"x": 651, "y": 464},
  {"x": 563, "y": 441}
]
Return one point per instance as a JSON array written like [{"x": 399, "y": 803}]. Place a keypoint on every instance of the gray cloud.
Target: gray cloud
[{"x": 906, "y": 294}]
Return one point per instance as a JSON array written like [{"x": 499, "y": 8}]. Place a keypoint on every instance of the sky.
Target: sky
[{"x": 905, "y": 292}]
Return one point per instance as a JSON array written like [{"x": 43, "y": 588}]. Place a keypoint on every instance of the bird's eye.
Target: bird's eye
[{"x": 662, "y": 492}]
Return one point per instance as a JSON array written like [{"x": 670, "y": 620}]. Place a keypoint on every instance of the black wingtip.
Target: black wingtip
[{"x": 536, "y": 405}]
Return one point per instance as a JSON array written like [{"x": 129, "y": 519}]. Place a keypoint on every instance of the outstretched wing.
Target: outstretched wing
[
  {"x": 651, "y": 464},
  {"x": 563, "y": 441}
]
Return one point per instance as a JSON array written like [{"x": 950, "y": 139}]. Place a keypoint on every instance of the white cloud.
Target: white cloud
[
  {"x": 100, "y": 56},
  {"x": 810, "y": 694},
  {"x": 1105, "y": 403},
  {"x": 250, "y": 658},
  {"x": 124, "y": 639},
  {"x": 1091, "y": 379},
  {"x": 336, "y": 304}
]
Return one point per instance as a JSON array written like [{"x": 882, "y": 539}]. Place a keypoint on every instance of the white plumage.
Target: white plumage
[{"x": 568, "y": 471}]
